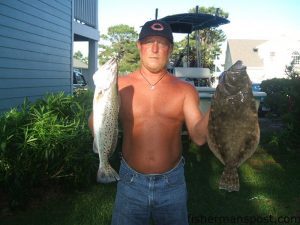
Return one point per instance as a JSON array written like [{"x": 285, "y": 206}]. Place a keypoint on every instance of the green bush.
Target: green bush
[
  {"x": 283, "y": 97},
  {"x": 46, "y": 142}
]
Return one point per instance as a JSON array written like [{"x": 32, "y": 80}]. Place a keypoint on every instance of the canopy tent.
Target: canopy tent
[{"x": 189, "y": 22}]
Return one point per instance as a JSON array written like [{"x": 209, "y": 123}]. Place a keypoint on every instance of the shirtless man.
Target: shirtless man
[{"x": 154, "y": 107}]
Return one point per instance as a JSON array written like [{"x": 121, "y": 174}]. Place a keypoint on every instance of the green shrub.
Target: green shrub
[
  {"x": 283, "y": 97},
  {"x": 46, "y": 142}
]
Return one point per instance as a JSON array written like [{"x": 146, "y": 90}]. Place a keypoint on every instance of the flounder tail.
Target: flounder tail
[
  {"x": 229, "y": 180},
  {"x": 107, "y": 175}
]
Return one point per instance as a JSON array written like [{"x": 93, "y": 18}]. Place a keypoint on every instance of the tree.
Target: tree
[
  {"x": 291, "y": 72},
  {"x": 120, "y": 42},
  {"x": 210, "y": 42},
  {"x": 78, "y": 55}
]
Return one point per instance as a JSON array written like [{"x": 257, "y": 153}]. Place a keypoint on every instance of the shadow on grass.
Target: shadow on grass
[
  {"x": 268, "y": 187},
  {"x": 91, "y": 205}
]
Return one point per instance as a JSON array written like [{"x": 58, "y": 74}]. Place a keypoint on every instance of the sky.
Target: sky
[{"x": 249, "y": 19}]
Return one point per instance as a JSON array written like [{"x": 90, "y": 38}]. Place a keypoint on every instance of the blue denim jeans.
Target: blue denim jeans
[{"x": 140, "y": 197}]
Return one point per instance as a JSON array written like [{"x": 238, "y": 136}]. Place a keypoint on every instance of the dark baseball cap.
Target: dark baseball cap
[{"x": 156, "y": 28}]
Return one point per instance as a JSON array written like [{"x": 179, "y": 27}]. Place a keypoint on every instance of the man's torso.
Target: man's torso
[{"x": 152, "y": 122}]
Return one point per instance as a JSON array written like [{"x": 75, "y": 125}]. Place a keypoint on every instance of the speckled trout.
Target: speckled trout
[
  {"x": 233, "y": 129},
  {"x": 105, "y": 112}
]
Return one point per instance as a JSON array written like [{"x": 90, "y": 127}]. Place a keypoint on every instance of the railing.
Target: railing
[{"x": 86, "y": 12}]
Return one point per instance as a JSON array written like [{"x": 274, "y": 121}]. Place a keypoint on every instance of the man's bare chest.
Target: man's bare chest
[{"x": 146, "y": 103}]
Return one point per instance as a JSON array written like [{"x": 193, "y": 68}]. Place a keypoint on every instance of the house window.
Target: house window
[{"x": 296, "y": 58}]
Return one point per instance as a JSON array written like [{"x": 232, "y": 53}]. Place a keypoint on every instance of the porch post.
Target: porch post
[{"x": 93, "y": 62}]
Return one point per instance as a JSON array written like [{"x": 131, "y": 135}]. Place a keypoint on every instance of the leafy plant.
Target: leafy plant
[
  {"x": 283, "y": 97},
  {"x": 46, "y": 142}
]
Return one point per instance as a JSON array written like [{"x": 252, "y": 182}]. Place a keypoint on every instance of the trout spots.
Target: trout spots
[{"x": 105, "y": 111}]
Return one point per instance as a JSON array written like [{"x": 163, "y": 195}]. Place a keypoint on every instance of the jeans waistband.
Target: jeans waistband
[{"x": 125, "y": 166}]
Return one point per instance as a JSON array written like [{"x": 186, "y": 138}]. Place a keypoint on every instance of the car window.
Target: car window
[{"x": 78, "y": 79}]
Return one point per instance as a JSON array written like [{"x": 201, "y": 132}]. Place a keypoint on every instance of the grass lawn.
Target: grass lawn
[{"x": 269, "y": 190}]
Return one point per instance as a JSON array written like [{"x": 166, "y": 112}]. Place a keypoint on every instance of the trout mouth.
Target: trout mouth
[
  {"x": 106, "y": 75},
  {"x": 113, "y": 64}
]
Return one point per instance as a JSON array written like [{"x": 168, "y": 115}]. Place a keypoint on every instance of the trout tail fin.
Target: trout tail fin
[
  {"x": 229, "y": 179},
  {"x": 107, "y": 174}
]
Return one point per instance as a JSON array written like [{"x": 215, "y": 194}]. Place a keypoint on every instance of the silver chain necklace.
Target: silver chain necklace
[{"x": 152, "y": 86}]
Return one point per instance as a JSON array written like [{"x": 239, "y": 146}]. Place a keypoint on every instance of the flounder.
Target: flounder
[{"x": 233, "y": 129}]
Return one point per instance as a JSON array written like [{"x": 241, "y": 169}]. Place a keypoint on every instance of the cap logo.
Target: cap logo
[{"x": 157, "y": 26}]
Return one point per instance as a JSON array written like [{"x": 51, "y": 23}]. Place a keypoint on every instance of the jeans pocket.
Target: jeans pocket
[{"x": 173, "y": 181}]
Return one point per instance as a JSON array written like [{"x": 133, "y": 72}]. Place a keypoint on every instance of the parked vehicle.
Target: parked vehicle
[
  {"x": 256, "y": 87},
  {"x": 79, "y": 81},
  {"x": 262, "y": 110}
]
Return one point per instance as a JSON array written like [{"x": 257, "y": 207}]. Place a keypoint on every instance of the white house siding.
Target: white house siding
[
  {"x": 265, "y": 59},
  {"x": 277, "y": 54},
  {"x": 35, "y": 49},
  {"x": 239, "y": 49}
]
